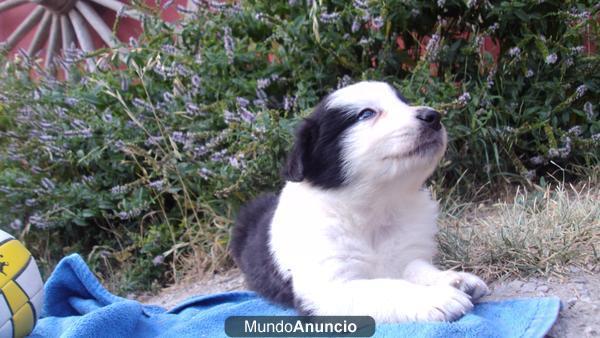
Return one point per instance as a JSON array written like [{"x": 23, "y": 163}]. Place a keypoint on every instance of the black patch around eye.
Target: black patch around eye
[{"x": 318, "y": 151}]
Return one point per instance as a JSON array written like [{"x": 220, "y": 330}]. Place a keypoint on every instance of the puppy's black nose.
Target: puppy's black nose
[{"x": 430, "y": 118}]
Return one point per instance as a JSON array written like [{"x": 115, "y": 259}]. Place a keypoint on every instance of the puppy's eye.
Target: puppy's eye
[{"x": 366, "y": 114}]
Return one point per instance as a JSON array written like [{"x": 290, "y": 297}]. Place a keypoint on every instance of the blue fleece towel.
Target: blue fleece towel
[{"x": 76, "y": 305}]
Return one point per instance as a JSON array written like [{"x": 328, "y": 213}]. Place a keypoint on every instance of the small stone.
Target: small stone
[
  {"x": 571, "y": 301},
  {"x": 499, "y": 289},
  {"x": 543, "y": 288},
  {"x": 579, "y": 280},
  {"x": 528, "y": 287},
  {"x": 515, "y": 284},
  {"x": 591, "y": 331}
]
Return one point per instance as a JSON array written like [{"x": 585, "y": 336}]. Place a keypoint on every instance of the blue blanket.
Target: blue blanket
[{"x": 76, "y": 305}]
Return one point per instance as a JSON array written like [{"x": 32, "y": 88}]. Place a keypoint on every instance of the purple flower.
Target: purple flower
[
  {"x": 530, "y": 175},
  {"x": 196, "y": 81},
  {"x": 79, "y": 124},
  {"x": 107, "y": 117},
  {"x": 246, "y": 115},
  {"x": 205, "y": 173},
  {"x": 577, "y": 50},
  {"x": 580, "y": 91},
  {"x": 85, "y": 133},
  {"x": 262, "y": 95},
  {"x": 182, "y": 70},
  {"x": 218, "y": 156},
  {"x": 179, "y": 137},
  {"x": 490, "y": 78},
  {"x": 228, "y": 44},
  {"x": 124, "y": 215},
  {"x": 36, "y": 94},
  {"x": 464, "y": 98},
  {"x": 569, "y": 62},
  {"x": 124, "y": 83},
  {"x": 141, "y": 104},
  {"x": 433, "y": 47},
  {"x": 529, "y": 73},
  {"x": 551, "y": 59},
  {"x": 263, "y": 83},
  {"x": 537, "y": 160},
  {"x": 48, "y": 184},
  {"x": 119, "y": 189},
  {"x": 168, "y": 97},
  {"x": 329, "y": 17},
  {"x": 71, "y": 101},
  {"x": 229, "y": 117},
  {"x": 37, "y": 221},
  {"x": 576, "y": 130},
  {"x": 193, "y": 109},
  {"x": 515, "y": 52},
  {"x": 377, "y": 23},
  {"x": 588, "y": 108},
  {"x": 16, "y": 224},
  {"x": 158, "y": 260},
  {"x": 360, "y": 4},
  {"x": 21, "y": 181},
  {"x": 289, "y": 102},
  {"x": 355, "y": 26},
  {"x": 153, "y": 140},
  {"x": 242, "y": 101},
  {"x": 157, "y": 185},
  {"x": 234, "y": 162},
  {"x": 218, "y": 5}
]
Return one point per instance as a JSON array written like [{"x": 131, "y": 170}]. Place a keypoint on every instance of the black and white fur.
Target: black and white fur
[{"x": 352, "y": 231}]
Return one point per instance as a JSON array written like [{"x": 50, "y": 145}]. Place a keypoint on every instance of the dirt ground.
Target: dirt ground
[{"x": 579, "y": 293}]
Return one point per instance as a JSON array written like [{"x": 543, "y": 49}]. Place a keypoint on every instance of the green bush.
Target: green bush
[{"x": 142, "y": 163}]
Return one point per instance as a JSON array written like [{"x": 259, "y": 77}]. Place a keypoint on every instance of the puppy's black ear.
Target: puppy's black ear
[{"x": 300, "y": 156}]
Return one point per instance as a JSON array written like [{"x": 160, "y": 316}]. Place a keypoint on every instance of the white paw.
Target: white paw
[
  {"x": 442, "y": 303},
  {"x": 465, "y": 282}
]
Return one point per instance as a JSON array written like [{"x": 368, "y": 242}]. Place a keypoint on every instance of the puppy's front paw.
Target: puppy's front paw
[
  {"x": 465, "y": 282},
  {"x": 442, "y": 303}
]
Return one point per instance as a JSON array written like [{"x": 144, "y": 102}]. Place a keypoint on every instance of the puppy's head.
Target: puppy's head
[{"x": 366, "y": 132}]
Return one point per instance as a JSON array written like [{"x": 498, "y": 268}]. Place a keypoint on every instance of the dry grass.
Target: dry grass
[
  {"x": 537, "y": 232},
  {"x": 540, "y": 232}
]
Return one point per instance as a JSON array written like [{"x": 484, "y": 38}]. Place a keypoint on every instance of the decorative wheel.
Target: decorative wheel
[{"x": 63, "y": 21}]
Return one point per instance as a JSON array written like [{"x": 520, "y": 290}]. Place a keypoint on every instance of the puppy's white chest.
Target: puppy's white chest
[
  {"x": 388, "y": 250},
  {"x": 344, "y": 242}
]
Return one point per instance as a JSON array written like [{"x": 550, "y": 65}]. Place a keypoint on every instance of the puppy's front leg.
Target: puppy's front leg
[
  {"x": 422, "y": 272},
  {"x": 386, "y": 300}
]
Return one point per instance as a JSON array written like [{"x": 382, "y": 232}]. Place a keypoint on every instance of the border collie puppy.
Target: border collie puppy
[{"x": 352, "y": 231}]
